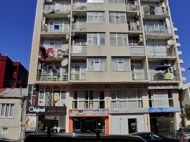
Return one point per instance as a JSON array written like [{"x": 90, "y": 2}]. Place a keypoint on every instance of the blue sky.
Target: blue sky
[{"x": 17, "y": 22}]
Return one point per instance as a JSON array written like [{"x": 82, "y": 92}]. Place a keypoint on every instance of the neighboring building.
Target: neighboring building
[
  {"x": 12, "y": 112},
  {"x": 114, "y": 65},
  {"x": 11, "y": 73}
]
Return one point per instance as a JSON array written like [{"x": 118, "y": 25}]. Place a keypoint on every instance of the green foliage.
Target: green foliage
[
  {"x": 40, "y": 126},
  {"x": 187, "y": 110}
]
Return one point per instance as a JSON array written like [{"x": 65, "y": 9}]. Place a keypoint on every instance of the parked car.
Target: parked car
[
  {"x": 183, "y": 134},
  {"x": 5, "y": 139},
  {"x": 154, "y": 137},
  {"x": 82, "y": 138}
]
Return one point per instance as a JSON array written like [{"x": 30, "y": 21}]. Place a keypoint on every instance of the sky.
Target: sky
[{"x": 17, "y": 23}]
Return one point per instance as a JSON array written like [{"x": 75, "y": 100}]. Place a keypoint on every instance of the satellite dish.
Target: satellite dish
[
  {"x": 64, "y": 62},
  {"x": 146, "y": 9},
  {"x": 170, "y": 42}
]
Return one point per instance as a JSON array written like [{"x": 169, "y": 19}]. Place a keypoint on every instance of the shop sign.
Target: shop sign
[
  {"x": 90, "y": 112},
  {"x": 160, "y": 110},
  {"x": 48, "y": 109},
  {"x": 89, "y": 87},
  {"x": 163, "y": 86},
  {"x": 129, "y": 86},
  {"x": 30, "y": 123},
  {"x": 36, "y": 109},
  {"x": 124, "y": 111}
]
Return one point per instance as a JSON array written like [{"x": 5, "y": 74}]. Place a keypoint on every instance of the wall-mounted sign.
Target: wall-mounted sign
[
  {"x": 89, "y": 87},
  {"x": 163, "y": 86},
  {"x": 124, "y": 111},
  {"x": 129, "y": 86},
  {"x": 89, "y": 112},
  {"x": 30, "y": 123},
  {"x": 160, "y": 110}
]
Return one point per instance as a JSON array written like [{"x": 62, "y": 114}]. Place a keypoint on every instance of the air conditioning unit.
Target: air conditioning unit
[{"x": 166, "y": 63}]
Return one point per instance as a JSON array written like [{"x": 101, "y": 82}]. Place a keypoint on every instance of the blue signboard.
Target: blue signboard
[{"x": 160, "y": 110}]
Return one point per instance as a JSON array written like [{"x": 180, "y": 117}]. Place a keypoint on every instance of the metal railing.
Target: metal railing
[
  {"x": 135, "y": 27},
  {"x": 140, "y": 51},
  {"x": 132, "y": 7},
  {"x": 80, "y": 7},
  {"x": 161, "y": 53},
  {"x": 77, "y": 76},
  {"x": 138, "y": 75},
  {"x": 153, "y": 30},
  {"x": 79, "y": 26},
  {"x": 59, "y": 8},
  {"x": 157, "y": 11},
  {"x": 163, "y": 77},
  {"x": 78, "y": 49},
  {"x": 46, "y": 77}
]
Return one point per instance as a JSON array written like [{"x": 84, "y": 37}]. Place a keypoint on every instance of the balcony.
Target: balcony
[
  {"x": 138, "y": 75},
  {"x": 166, "y": 53},
  {"x": 79, "y": 27},
  {"x": 52, "y": 71},
  {"x": 132, "y": 8},
  {"x": 78, "y": 50},
  {"x": 153, "y": 30},
  {"x": 163, "y": 77},
  {"x": 134, "y": 25},
  {"x": 137, "y": 51},
  {"x": 79, "y": 7}
]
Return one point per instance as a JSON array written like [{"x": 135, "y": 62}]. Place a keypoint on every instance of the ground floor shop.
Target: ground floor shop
[
  {"x": 125, "y": 121},
  {"x": 87, "y": 121}
]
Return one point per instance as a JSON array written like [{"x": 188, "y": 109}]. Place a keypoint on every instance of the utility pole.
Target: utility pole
[{"x": 21, "y": 117}]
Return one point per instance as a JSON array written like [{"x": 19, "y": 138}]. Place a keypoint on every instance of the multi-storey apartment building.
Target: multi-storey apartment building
[{"x": 107, "y": 64}]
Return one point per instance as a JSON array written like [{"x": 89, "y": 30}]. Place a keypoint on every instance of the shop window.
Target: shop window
[
  {"x": 89, "y": 99},
  {"x": 126, "y": 99},
  {"x": 160, "y": 98},
  {"x": 52, "y": 98}
]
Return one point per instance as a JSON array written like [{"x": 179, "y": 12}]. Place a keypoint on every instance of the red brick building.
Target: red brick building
[{"x": 11, "y": 73}]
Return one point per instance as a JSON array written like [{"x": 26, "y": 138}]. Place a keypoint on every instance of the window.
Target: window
[
  {"x": 96, "y": 64},
  {"x": 95, "y": 1},
  {"x": 89, "y": 99},
  {"x": 157, "y": 48},
  {"x": 52, "y": 98},
  {"x": 160, "y": 98},
  {"x": 96, "y": 38},
  {"x": 118, "y": 39},
  {"x": 121, "y": 64},
  {"x": 7, "y": 110},
  {"x": 95, "y": 17},
  {"x": 126, "y": 99},
  {"x": 117, "y": 17},
  {"x": 5, "y": 130},
  {"x": 116, "y": 1},
  {"x": 58, "y": 25}
]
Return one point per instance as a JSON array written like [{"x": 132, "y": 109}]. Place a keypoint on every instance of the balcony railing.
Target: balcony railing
[
  {"x": 79, "y": 27},
  {"x": 77, "y": 76},
  {"x": 79, "y": 7},
  {"x": 138, "y": 75},
  {"x": 153, "y": 30},
  {"x": 78, "y": 49},
  {"x": 139, "y": 51},
  {"x": 130, "y": 7},
  {"x": 57, "y": 8},
  {"x": 163, "y": 77},
  {"x": 46, "y": 77},
  {"x": 135, "y": 27},
  {"x": 157, "y": 11},
  {"x": 164, "y": 53}
]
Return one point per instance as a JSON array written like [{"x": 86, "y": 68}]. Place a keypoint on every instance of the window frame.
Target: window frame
[
  {"x": 117, "y": 16},
  {"x": 125, "y": 60},
  {"x": 138, "y": 99},
  {"x": 100, "y": 60},
  {"x": 93, "y": 14},
  {"x": 95, "y": 1},
  {"x": 6, "y": 130},
  {"x": 116, "y": 36},
  {"x": 5, "y": 110},
  {"x": 92, "y": 36}
]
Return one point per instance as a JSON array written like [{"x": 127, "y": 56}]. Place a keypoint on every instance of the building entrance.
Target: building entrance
[{"x": 88, "y": 124}]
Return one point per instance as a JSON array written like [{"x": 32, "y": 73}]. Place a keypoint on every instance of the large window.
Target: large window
[
  {"x": 7, "y": 110},
  {"x": 126, "y": 99},
  {"x": 160, "y": 98},
  {"x": 157, "y": 48},
  {"x": 121, "y": 64},
  {"x": 89, "y": 99},
  {"x": 117, "y": 17},
  {"x": 95, "y": 17},
  {"x": 117, "y": 39},
  {"x": 96, "y": 64},
  {"x": 52, "y": 98},
  {"x": 95, "y": 1},
  {"x": 96, "y": 38}
]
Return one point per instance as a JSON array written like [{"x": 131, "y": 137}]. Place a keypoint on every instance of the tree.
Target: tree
[{"x": 187, "y": 111}]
